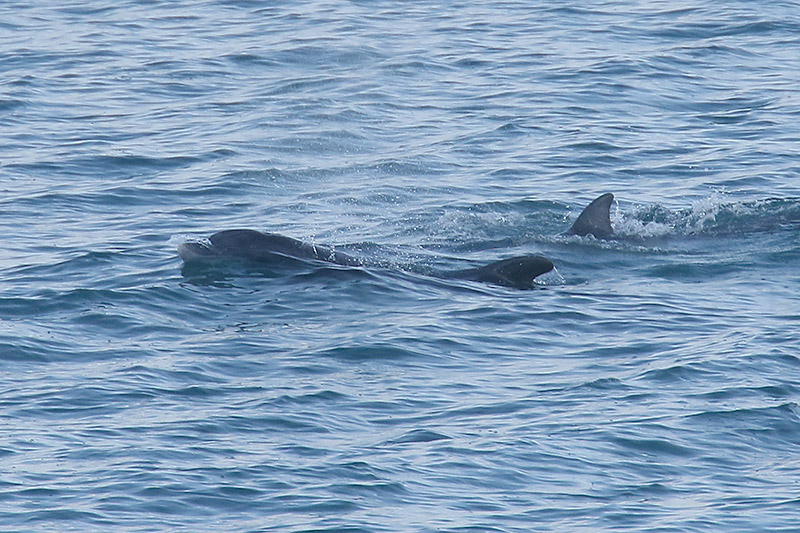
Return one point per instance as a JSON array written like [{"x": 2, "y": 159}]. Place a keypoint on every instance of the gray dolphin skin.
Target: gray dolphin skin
[
  {"x": 257, "y": 246},
  {"x": 517, "y": 272},
  {"x": 595, "y": 219}
]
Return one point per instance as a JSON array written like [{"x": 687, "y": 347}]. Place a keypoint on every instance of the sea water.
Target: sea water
[{"x": 651, "y": 383}]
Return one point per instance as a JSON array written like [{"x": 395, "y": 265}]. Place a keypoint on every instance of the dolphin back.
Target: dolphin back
[
  {"x": 255, "y": 245},
  {"x": 595, "y": 218},
  {"x": 260, "y": 247}
]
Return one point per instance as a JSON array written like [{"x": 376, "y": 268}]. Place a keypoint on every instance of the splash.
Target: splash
[
  {"x": 703, "y": 213},
  {"x": 713, "y": 215},
  {"x": 551, "y": 278},
  {"x": 637, "y": 224}
]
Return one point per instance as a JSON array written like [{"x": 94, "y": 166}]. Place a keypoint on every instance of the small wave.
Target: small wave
[{"x": 418, "y": 436}]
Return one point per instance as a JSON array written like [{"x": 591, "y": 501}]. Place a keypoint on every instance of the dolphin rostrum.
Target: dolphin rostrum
[{"x": 518, "y": 272}]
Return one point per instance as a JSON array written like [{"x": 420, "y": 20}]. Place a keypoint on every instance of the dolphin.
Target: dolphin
[{"x": 517, "y": 272}]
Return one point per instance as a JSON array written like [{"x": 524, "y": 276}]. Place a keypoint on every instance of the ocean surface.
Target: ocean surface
[{"x": 650, "y": 383}]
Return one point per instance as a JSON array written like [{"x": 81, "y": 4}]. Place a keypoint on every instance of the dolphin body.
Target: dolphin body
[{"x": 517, "y": 272}]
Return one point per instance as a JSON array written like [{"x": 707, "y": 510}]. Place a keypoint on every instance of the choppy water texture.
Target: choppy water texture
[{"x": 652, "y": 384}]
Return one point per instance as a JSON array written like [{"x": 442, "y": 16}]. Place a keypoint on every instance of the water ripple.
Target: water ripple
[{"x": 651, "y": 386}]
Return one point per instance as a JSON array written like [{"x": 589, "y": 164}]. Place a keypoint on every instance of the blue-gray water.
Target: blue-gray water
[{"x": 653, "y": 384}]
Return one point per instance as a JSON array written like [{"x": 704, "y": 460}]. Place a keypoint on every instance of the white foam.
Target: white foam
[
  {"x": 657, "y": 221},
  {"x": 553, "y": 277},
  {"x": 632, "y": 227}
]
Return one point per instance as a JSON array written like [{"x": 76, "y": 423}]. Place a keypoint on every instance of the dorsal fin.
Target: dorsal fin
[{"x": 595, "y": 218}]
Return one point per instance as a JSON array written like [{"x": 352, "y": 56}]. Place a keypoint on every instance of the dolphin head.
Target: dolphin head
[{"x": 518, "y": 272}]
